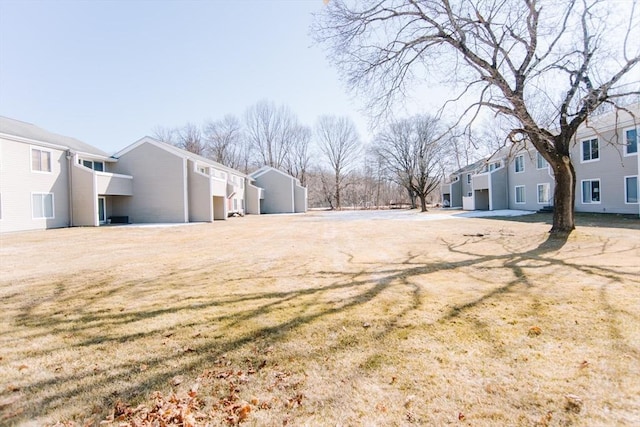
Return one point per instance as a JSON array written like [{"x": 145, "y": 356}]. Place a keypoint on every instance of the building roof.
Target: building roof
[
  {"x": 34, "y": 134},
  {"x": 266, "y": 169},
  {"x": 178, "y": 152}
]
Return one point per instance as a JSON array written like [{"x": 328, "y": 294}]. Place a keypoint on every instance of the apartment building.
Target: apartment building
[
  {"x": 50, "y": 181},
  {"x": 605, "y": 158}
]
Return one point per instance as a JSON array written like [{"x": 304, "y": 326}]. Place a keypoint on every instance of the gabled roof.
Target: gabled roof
[
  {"x": 266, "y": 169},
  {"x": 30, "y": 133},
  {"x": 178, "y": 152},
  {"x": 471, "y": 167}
]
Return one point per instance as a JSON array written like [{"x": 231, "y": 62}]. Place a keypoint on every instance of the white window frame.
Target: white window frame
[
  {"x": 582, "y": 199},
  {"x": 539, "y": 157},
  {"x": 39, "y": 149},
  {"x": 548, "y": 186},
  {"x": 468, "y": 178},
  {"x": 626, "y": 146},
  {"x": 524, "y": 195},
  {"x": 626, "y": 201},
  {"x": 515, "y": 165},
  {"x": 590, "y": 141},
  {"x": 53, "y": 206}
]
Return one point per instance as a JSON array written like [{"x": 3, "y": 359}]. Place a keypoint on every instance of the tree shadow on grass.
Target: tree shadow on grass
[{"x": 229, "y": 314}]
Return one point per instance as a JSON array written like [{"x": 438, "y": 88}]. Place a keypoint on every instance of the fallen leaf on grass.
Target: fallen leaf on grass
[
  {"x": 22, "y": 367},
  {"x": 584, "y": 364},
  {"x": 177, "y": 380},
  {"x": 574, "y": 403},
  {"x": 534, "y": 331},
  {"x": 461, "y": 416}
]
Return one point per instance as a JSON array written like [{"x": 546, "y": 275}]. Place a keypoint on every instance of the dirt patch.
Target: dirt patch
[{"x": 303, "y": 319}]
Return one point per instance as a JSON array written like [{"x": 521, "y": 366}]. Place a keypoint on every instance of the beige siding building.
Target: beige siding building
[
  {"x": 49, "y": 180},
  {"x": 282, "y": 192}
]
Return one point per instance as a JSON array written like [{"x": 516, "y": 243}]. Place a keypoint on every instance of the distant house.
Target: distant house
[
  {"x": 49, "y": 180},
  {"x": 605, "y": 159},
  {"x": 174, "y": 185},
  {"x": 282, "y": 192},
  {"x": 458, "y": 185}
]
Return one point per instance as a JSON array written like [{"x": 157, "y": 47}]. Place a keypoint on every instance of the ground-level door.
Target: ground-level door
[{"x": 102, "y": 210}]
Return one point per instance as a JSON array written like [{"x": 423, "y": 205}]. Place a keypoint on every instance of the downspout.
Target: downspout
[{"x": 70, "y": 185}]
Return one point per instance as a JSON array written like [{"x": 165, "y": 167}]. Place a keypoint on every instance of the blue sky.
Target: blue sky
[{"x": 108, "y": 72}]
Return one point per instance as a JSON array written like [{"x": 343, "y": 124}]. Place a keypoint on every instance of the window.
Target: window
[
  {"x": 469, "y": 194},
  {"x": 520, "y": 194},
  {"x": 493, "y": 166},
  {"x": 42, "y": 205},
  {"x": 544, "y": 195},
  {"x": 590, "y": 150},
  {"x": 520, "y": 163},
  {"x": 631, "y": 189},
  {"x": 541, "y": 163},
  {"x": 631, "y": 139},
  {"x": 468, "y": 178},
  {"x": 591, "y": 191},
  {"x": 92, "y": 164},
  {"x": 40, "y": 160}
]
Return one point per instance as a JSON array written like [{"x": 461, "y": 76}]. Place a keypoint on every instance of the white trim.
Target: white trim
[
  {"x": 548, "y": 185},
  {"x": 625, "y": 189},
  {"x": 31, "y": 149},
  {"x": 582, "y": 141},
  {"x": 185, "y": 185},
  {"x": 599, "y": 191},
  {"x": 524, "y": 195},
  {"x": 489, "y": 191},
  {"x": 50, "y": 145},
  {"x": 624, "y": 137},
  {"x": 112, "y": 175},
  {"x": 53, "y": 205}
]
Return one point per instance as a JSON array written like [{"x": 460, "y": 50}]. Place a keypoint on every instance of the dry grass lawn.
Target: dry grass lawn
[{"x": 310, "y": 320}]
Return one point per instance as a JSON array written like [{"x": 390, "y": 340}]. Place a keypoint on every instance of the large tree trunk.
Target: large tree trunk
[
  {"x": 338, "y": 206},
  {"x": 564, "y": 196},
  {"x": 423, "y": 202}
]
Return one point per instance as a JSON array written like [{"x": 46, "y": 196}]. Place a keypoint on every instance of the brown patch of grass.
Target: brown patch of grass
[{"x": 305, "y": 320}]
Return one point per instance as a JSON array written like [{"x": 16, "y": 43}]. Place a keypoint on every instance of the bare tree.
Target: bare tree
[
  {"x": 413, "y": 152},
  {"x": 546, "y": 65},
  {"x": 270, "y": 131},
  {"x": 189, "y": 138},
  {"x": 340, "y": 144},
  {"x": 224, "y": 142},
  {"x": 299, "y": 157},
  {"x": 164, "y": 134}
]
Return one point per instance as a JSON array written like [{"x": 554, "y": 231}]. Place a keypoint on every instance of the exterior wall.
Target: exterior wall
[
  {"x": 278, "y": 192},
  {"x": 200, "y": 195},
  {"x": 455, "y": 194},
  {"x": 84, "y": 195},
  {"x": 611, "y": 169},
  {"x": 114, "y": 184},
  {"x": 252, "y": 199},
  {"x": 18, "y": 182},
  {"x": 300, "y": 199},
  {"x": 530, "y": 178},
  {"x": 480, "y": 182},
  {"x": 498, "y": 193},
  {"x": 159, "y": 186},
  {"x": 236, "y": 193}
]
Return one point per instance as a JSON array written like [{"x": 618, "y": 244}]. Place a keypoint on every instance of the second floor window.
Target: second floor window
[
  {"x": 468, "y": 178},
  {"x": 631, "y": 139},
  {"x": 520, "y": 163},
  {"x": 590, "y": 150},
  {"x": 541, "y": 163},
  {"x": 40, "y": 160}
]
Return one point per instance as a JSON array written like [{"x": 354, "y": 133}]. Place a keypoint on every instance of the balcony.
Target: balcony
[{"x": 113, "y": 184}]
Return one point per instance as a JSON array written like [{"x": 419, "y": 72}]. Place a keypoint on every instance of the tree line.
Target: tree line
[{"x": 402, "y": 165}]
